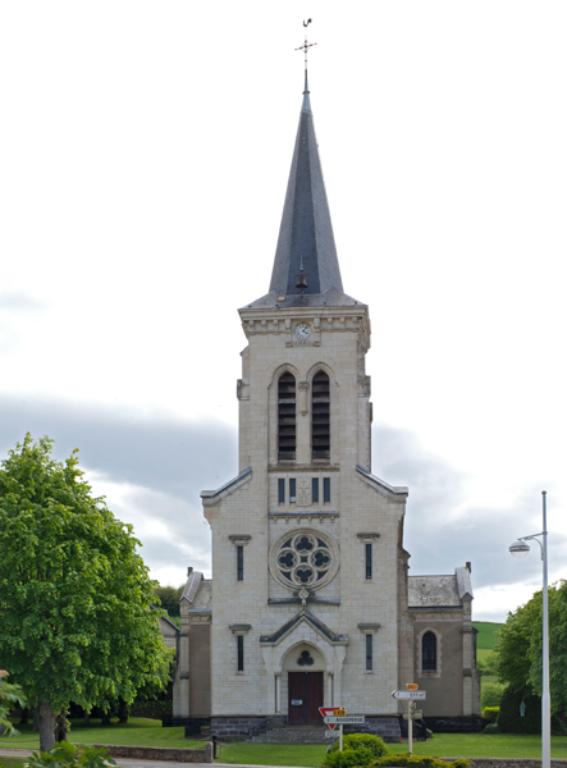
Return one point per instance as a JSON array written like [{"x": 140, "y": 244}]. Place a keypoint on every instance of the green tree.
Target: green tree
[
  {"x": 169, "y": 598},
  {"x": 520, "y": 648},
  {"x": 75, "y": 597},
  {"x": 10, "y": 696}
]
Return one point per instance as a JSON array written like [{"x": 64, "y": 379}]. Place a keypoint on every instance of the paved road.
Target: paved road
[{"x": 130, "y": 763}]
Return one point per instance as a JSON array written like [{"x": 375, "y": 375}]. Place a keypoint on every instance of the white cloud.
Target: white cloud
[
  {"x": 142, "y": 190},
  {"x": 172, "y": 532}
]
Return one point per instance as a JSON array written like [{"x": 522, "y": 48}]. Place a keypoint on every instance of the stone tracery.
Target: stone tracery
[{"x": 304, "y": 558}]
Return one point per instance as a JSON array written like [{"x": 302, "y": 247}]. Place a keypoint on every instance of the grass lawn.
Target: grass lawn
[
  {"x": 138, "y": 731},
  {"x": 441, "y": 745},
  {"x": 11, "y": 762}
]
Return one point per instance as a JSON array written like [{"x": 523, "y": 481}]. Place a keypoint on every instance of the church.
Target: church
[{"x": 311, "y": 601}]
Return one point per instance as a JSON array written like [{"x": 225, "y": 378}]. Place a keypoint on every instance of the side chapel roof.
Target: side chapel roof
[{"x": 444, "y": 591}]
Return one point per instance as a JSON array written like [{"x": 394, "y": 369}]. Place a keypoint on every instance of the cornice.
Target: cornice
[{"x": 322, "y": 319}]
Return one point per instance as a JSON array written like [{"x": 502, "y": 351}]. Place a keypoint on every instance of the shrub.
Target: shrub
[
  {"x": 358, "y": 741},
  {"x": 418, "y": 761},
  {"x": 490, "y": 714},
  {"x": 491, "y": 693},
  {"x": 65, "y": 755},
  {"x": 348, "y": 758}
]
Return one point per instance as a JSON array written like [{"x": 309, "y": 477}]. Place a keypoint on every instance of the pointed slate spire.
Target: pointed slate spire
[{"x": 306, "y": 261}]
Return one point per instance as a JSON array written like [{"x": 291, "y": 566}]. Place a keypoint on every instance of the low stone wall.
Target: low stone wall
[
  {"x": 237, "y": 727},
  {"x": 513, "y": 762},
  {"x": 194, "y": 726},
  {"x": 388, "y": 727},
  {"x": 463, "y": 724},
  {"x": 179, "y": 755}
]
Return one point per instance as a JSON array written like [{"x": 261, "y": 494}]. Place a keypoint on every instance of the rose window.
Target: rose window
[{"x": 304, "y": 559}]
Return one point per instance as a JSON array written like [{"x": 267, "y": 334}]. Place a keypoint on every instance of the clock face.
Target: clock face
[{"x": 302, "y": 332}]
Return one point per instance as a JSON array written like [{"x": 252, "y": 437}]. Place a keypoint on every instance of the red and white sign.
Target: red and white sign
[{"x": 327, "y": 712}]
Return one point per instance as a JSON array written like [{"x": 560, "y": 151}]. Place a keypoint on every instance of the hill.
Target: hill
[{"x": 487, "y": 634}]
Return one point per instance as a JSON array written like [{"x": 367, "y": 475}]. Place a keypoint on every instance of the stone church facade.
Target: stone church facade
[{"x": 311, "y": 602}]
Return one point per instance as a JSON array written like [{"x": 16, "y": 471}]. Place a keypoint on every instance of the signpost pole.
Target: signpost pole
[
  {"x": 341, "y": 737},
  {"x": 410, "y": 727}
]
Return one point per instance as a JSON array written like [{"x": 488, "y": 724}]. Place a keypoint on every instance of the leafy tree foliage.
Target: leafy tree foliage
[
  {"x": 10, "y": 696},
  {"x": 519, "y": 713},
  {"x": 520, "y": 648},
  {"x": 169, "y": 598},
  {"x": 75, "y": 597}
]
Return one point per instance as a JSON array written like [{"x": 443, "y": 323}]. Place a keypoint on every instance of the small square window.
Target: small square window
[
  {"x": 292, "y": 490},
  {"x": 326, "y": 490},
  {"x": 315, "y": 490},
  {"x": 281, "y": 491}
]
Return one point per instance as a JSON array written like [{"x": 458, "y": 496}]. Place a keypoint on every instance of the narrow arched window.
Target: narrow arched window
[
  {"x": 286, "y": 417},
  {"x": 429, "y": 652},
  {"x": 320, "y": 416}
]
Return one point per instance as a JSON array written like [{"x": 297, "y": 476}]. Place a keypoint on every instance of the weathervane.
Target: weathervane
[{"x": 305, "y": 48}]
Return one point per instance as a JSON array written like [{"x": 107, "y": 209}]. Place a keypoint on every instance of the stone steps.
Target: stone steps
[{"x": 293, "y": 734}]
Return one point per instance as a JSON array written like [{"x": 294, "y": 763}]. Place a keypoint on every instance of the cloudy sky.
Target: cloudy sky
[{"x": 144, "y": 152}]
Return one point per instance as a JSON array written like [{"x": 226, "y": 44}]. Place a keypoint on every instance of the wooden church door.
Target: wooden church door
[{"x": 305, "y": 696}]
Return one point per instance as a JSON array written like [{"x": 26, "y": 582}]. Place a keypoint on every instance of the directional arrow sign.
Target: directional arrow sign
[
  {"x": 345, "y": 720},
  {"x": 409, "y": 695}
]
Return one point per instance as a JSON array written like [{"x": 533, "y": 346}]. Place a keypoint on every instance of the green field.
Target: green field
[
  {"x": 441, "y": 745},
  {"x": 139, "y": 732},
  {"x": 486, "y": 639},
  {"x": 487, "y": 634}
]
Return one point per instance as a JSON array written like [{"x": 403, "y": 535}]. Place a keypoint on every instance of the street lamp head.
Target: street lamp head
[{"x": 519, "y": 548}]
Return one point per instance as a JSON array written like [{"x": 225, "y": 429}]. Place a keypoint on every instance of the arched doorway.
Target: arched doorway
[{"x": 305, "y": 668}]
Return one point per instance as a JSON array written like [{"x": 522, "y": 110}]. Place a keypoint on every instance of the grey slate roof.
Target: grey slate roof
[
  {"x": 306, "y": 269},
  {"x": 445, "y": 591},
  {"x": 310, "y": 618},
  {"x": 197, "y": 592}
]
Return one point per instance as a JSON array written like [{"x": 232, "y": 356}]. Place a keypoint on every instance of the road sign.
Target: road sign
[
  {"x": 417, "y": 714},
  {"x": 412, "y": 687},
  {"x": 324, "y": 711},
  {"x": 332, "y": 734},
  {"x": 345, "y": 720},
  {"x": 409, "y": 695},
  {"x": 328, "y": 712}
]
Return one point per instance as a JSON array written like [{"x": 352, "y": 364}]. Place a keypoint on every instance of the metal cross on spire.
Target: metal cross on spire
[{"x": 305, "y": 48}]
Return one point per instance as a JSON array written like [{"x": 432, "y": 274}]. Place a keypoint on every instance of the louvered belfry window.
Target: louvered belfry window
[
  {"x": 320, "y": 417},
  {"x": 286, "y": 417}
]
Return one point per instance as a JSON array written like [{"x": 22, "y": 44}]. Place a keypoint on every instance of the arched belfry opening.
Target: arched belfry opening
[
  {"x": 321, "y": 416},
  {"x": 286, "y": 417}
]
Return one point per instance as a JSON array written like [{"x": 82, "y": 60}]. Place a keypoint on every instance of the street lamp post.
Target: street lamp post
[{"x": 520, "y": 548}]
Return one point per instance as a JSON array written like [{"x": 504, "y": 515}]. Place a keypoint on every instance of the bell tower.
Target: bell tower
[
  {"x": 307, "y": 336},
  {"x": 306, "y": 542},
  {"x": 310, "y": 603}
]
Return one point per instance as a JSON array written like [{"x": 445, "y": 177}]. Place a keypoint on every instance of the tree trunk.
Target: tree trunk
[
  {"x": 61, "y": 726},
  {"x": 122, "y": 711},
  {"x": 46, "y": 727}
]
